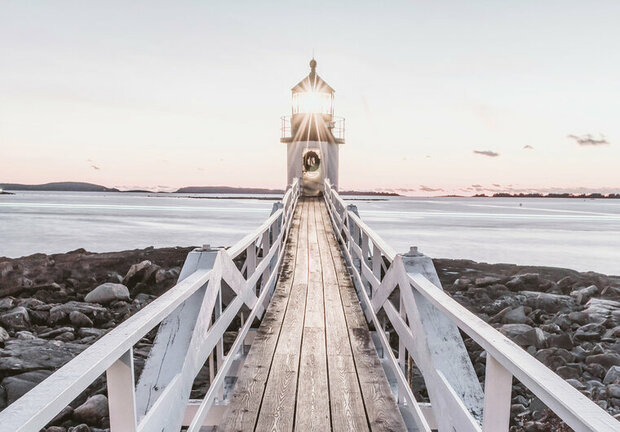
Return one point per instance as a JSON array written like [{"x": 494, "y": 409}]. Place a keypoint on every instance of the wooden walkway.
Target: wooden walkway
[{"x": 312, "y": 365}]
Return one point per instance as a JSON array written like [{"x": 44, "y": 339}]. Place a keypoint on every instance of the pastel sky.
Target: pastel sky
[{"x": 163, "y": 94}]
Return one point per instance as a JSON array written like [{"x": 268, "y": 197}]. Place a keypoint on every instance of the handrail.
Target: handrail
[
  {"x": 377, "y": 270},
  {"x": 112, "y": 354}
]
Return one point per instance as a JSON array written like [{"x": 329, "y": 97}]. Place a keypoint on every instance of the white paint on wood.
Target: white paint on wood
[
  {"x": 121, "y": 394},
  {"x": 497, "y": 392}
]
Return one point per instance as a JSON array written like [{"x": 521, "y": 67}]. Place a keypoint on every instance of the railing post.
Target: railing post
[
  {"x": 401, "y": 352},
  {"x": 250, "y": 259},
  {"x": 497, "y": 392},
  {"x": 173, "y": 337},
  {"x": 121, "y": 394}
]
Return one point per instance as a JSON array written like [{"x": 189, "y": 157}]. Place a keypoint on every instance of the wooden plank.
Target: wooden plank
[
  {"x": 312, "y": 413},
  {"x": 347, "y": 407},
  {"x": 277, "y": 410},
  {"x": 315, "y": 316},
  {"x": 249, "y": 389},
  {"x": 336, "y": 325}
]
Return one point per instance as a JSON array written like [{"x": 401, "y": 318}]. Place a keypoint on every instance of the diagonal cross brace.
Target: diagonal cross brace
[{"x": 440, "y": 354}]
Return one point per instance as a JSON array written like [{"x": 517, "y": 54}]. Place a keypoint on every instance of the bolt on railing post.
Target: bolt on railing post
[
  {"x": 497, "y": 392},
  {"x": 121, "y": 394}
]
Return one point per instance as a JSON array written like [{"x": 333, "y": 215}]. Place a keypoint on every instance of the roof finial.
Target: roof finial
[{"x": 313, "y": 64}]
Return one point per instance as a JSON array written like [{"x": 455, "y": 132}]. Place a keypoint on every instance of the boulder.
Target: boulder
[
  {"x": 582, "y": 295},
  {"x": 55, "y": 332},
  {"x": 7, "y": 303},
  {"x": 107, "y": 292},
  {"x": 4, "y": 335},
  {"x": 562, "y": 340},
  {"x": 612, "y": 375},
  {"x": 554, "y": 357},
  {"x": 486, "y": 281},
  {"x": 566, "y": 284},
  {"x": 65, "y": 336},
  {"x": 613, "y": 390},
  {"x": 24, "y": 335},
  {"x": 599, "y": 310},
  {"x": 79, "y": 319},
  {"x": 595, "y": 369},
  {"x": 569, "y": 371},
  {"x": 140, "y": 272},
  {"x": 526, "y": 281},
  {"x": 588, "y": 332},
  {"x": 95, "y": 312},
  {"x": 16, "y": 319},
  {"x": 26, "y": 355},
  {"x": 607, "y": 360},
  {"x": 515, "y": 316},
  {"x": 523, "y": 334},
  {"x": 551, "y": 303},
  {"x": 18, "y": 385},
  {"x": 31, "y": 303},
  {"x": 93, "y": 411}
]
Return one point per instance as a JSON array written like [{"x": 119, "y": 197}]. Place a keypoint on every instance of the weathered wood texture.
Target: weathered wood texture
[{"x": 312, "y": 366}]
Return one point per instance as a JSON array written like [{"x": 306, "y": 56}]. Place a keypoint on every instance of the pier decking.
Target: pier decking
[{"x": 312, "y": 365}]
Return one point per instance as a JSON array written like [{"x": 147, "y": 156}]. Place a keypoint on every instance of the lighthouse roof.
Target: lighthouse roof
[{"x": 313, "y": 82}]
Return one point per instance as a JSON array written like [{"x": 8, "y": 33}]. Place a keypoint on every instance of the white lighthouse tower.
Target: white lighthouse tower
[{"x": 312, "y": 135}]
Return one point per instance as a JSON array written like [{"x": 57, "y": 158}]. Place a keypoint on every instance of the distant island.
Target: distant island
[
  {"x": 90, "y": 187},
  {"x": 549, "y": 195},
  {"x": 58, "y": 187}
]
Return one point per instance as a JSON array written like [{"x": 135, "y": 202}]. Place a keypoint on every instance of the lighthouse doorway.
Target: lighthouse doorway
[{"x": 312, "y": 173}]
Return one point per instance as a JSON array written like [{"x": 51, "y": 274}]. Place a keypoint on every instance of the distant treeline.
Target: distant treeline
[{"x": 549, "y": 195}]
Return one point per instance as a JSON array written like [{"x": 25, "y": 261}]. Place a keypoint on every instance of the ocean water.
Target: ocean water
[{"x": 574, "y": 233}]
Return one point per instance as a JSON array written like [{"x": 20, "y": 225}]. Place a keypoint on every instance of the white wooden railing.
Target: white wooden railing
[
  {"x": 214, "y": 288},
  {"x": 404, "y": 291}
]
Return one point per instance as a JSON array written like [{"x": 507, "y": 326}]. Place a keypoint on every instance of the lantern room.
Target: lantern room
[
  {"x": 312, "y": 95},
  {"x": 312, "y": 134}
]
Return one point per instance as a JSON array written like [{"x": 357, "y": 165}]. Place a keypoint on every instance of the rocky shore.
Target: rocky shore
[{"x": 53, "y": 306}]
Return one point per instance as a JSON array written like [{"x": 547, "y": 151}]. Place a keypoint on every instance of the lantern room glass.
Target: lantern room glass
[{"x": 313, "y": 102}]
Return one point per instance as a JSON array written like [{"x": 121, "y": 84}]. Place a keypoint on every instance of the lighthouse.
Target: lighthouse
[{"x": 312, "y": 135}]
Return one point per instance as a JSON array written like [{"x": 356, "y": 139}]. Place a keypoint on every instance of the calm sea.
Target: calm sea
[{"x": 574, "y": 233}]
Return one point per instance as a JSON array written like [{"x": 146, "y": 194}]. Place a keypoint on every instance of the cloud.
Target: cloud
[
  {"x": 488, "y": 153},
  {"x": 587, "y": 140},
  {"x": 95, "y": 167},
  {"x": 404, "y": 190},
  {"x": 528, "y": 147},
  {"x": 430, "y": 189},
  {"x": 497, "y": 185},
  {"x": 477, "y": 186}
]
